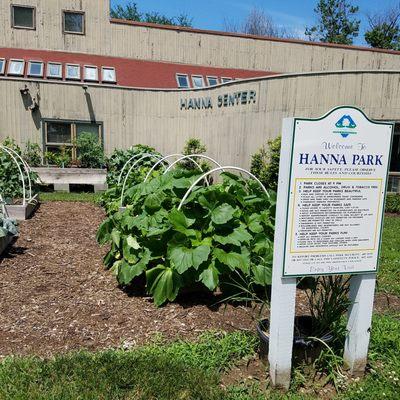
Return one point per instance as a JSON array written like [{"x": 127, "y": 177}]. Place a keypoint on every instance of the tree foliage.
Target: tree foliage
[
  {"x": 131, "y": 12},
  {"x": 337, "y": 22},
  {"x": 384, "y": 29}
]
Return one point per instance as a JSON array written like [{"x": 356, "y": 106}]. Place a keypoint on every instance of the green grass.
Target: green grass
[
  {"x": 184, "y": 371},
  {"x": 61, "y": 196},
  {"x": 389, "y": 273}
]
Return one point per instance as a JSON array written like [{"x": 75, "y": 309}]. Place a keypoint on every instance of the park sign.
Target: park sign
[
  {"x": 336, "y": 193},
  {"x": 331, "y": 194}
]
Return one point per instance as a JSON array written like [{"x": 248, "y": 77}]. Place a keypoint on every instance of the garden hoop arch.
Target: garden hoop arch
[
  {"x": 217, "y": 170},
  {"x": 192, "y": 156},
  {"x": 144, "y": 156},
  {"x": 15, "y": 157},
  {"x": 159, "y": 162},
  {"x": 131, "y": 159}
]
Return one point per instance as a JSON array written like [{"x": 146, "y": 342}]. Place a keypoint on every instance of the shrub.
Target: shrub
[
  {"x": 32, "y": 154},
  {"x": 90, "y": 151},
  {"x": 393, "y": 203},
  {"x": 265, "y": 163},
  {"x": 194, "y": 146}
]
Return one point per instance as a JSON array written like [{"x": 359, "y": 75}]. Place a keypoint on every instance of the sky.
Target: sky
[{"x": 293, "y": 15}]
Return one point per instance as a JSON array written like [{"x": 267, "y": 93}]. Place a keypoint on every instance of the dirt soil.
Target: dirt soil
[{"x": 56, "y": 296}]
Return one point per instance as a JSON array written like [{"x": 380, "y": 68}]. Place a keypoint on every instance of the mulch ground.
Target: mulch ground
[{"x": 56, "y": 296}]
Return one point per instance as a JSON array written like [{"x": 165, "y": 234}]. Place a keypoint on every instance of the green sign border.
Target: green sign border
[{"x": 391, "y": 124}]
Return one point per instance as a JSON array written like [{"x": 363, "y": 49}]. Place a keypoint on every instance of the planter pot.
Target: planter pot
[
  {"x": 5, "y": 242},
  {"x": 304, "y": 349},
  {"x": 61, "y": 178},
  {"x": 21, "y": 212}
]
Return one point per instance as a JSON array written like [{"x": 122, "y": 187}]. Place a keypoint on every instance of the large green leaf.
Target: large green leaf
[
  {"x": 153, "y": 202},
  {"x": 104, "y": 231},
  {"x": 222, "y": 214},
  {"x": 116, "y": 236},
  {"x": 127, "y": 272},
  {"x": 209, "y": 277},
  {"x": 237, "y": 237},
  {"x": 184, "y": 258},
  {"x": 262, "y": 274},
  {"x": 254, "y": 223},
  {"x": 163, "y": 283},
  {"x": 179, "y": 220},
  {"x": 233, "y": 260}
]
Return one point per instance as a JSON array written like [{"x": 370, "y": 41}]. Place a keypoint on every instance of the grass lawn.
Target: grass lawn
[
  {"x": 389, "y": 273},
  {"x": 186, "y": 371},
  {"x": 64, "y": 196}
]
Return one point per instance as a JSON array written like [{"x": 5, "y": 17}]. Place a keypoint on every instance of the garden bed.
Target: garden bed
[
  {"x": 21, "y": 212},
  {"x": 57, "y": 296},
  {"x": 62, "y": 178}
]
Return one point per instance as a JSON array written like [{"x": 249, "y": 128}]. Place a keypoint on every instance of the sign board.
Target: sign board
[{"x": 336, "y": 195}]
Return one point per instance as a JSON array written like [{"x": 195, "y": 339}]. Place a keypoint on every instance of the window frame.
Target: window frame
[
  {"x": 49, "y": 63},
  {"x": 3, "y": 69},
  {"x": 225, "y": 79},
  {"x": 177, "y": 75},
  {"x": 79, "y": 78},
  {"x": 106, "y": 80},
  {"x": 212, "y": 77},
  {"x": 89, "y": 79},
  {"x": 33, "y": 8},
  {"x": 202, "y": 79},
  {"x": 16, "y": 60},
  {"x": 73, "y": 124},
  {"x": 83, "y": 13},
  {"x": 35, "y": 62}
]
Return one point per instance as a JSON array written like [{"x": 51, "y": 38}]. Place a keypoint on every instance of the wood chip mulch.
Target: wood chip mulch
[{"x": 56, "y": 296}]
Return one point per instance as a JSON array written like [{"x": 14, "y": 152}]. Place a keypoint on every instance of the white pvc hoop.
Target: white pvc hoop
[
  {"x": 131, "y": 159},
  {"x": 216, "y": 170},
  {"x": 10, "y": 153},
  {"x": 26, "y": 167},
  {"x": 190, "y": 157},
  {"x": 159, "y": 162},
  {"x": 130, "y": 170}
]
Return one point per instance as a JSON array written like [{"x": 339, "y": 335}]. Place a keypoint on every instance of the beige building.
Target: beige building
[{"x": 66, "y": 67}]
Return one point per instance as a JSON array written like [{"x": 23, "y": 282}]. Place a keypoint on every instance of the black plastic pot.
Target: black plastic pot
[{"x": 305, "y": 350}]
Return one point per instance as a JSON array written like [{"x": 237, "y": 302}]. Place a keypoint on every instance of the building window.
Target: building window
[
  {"x": 73, "y": 71},
  {"x": 198, "y": 81},
  {"x": 182, "y": 80},
  {"x": 23, "y": 17},
  {"x": 2, "y": 66},
  {"x": 212, "y": 80},
  {"x": 60, "y": 136},
  {"x": 16, "y": 67},
  {"x": 91, "y": 73},
  {"x": 224, "y": 80},
  {"x": 35, "y": 68},
  {"x": 108, "y": 74},
  {"x": 54, "y": 70},
  {"x": 74, "y": 22}
]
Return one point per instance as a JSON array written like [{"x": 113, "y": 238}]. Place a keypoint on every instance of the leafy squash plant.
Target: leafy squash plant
[
  {"x": 110, "y": 199},
  {"x": 221, "y": 231},
  {"x": 10, "y": 178}
]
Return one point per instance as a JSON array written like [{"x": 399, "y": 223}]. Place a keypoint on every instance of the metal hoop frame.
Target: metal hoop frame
[
  {"x": 217, "y": 170},
  {"x": 192, "y": 156}
]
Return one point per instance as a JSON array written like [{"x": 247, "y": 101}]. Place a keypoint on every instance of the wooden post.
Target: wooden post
[
  {"x": 283, "y": 297},
  {"x": 362, "y": 289}
]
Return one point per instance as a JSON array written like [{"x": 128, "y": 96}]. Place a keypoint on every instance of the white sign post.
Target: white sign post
[{"x": 332, "y": 184}]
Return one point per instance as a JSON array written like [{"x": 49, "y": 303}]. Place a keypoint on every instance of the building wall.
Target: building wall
[
  {"x": 231, "y": 134},
  {"x": 179, "y": 45}
]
